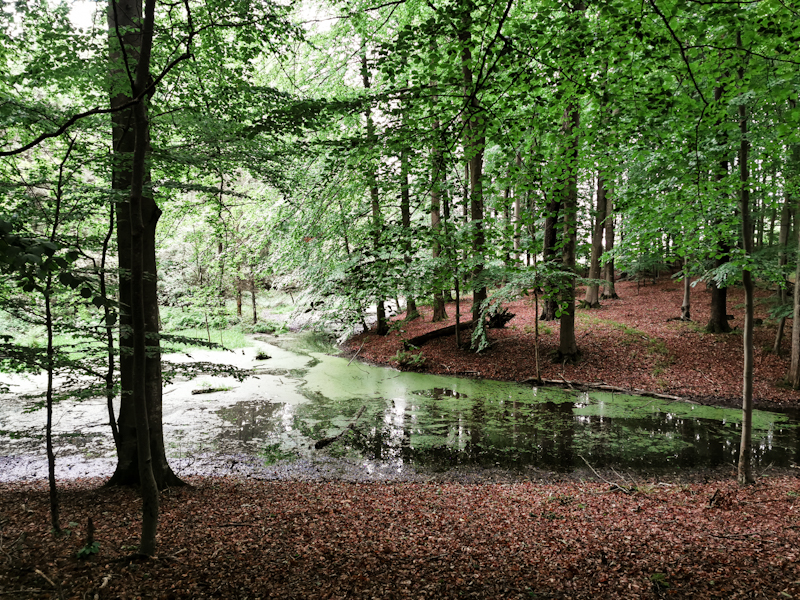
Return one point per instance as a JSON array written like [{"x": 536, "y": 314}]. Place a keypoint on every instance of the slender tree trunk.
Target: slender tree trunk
[
  {"x": 109, "y": 321},
  {"x": 517, "y": 217},
  {"x": 253, "y": 291},
  {"x": 474, "y": 146},
  {"x": 239, "y": 284},
  {"x": 609, "y": 289},
  {"x": 550, "y": 239},
  {"x": 405, "y": 215},
  {"x": 783, "y": 241},
  {"x": 377, "y": 217},
  {"x": 686, "y": 305},
  {"x": 745, "y": 475},
  {"x": 437, "y": 176},
  {"x": 793, "y": 377},
  {"x": 718, "y": 320},
  {"x": 592, "y": 298},
  {"x": 793, "y": 188},
  {"x": 568, "y": 348},
  {"x": 55, "y": 521}
]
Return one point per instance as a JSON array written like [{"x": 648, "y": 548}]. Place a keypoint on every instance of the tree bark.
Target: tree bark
[
  {"x": 139, "y": 303},
  {"x": 718, "y": 320},
  {"x": 745, "y": 475},
  {"x": 609, "y": 289},
  {"x": 793, "y": 188},
  {"x": 377, "y": 217},
  {"x": 686, "y": 305},
  {"x": 549, "y": 241},
  {"x": 568, "y": 347},
  {"x": 592, "y": 298},
  {"x": 253, "y": 296},
  {"x": 405, "y": 215},
  {"x": 783, "y": 259},
  {"x": 474, "y": 147},
  {"x": 125, "y": 23},
  {"x": 437, "y": 175}
]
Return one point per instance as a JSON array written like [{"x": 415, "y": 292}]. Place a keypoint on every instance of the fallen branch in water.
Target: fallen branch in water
[
  {"x": 604, "y": 388},
  {"x": 328, "y": 441},
  {"x": 209, "y": 390}
]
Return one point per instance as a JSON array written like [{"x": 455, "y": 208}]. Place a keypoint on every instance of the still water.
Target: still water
[{"x": 409, "y": 420}]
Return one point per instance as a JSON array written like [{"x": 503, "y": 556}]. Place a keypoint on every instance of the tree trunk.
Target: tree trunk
[
  {"x": 474, "y": 146},
  {"x": 686, "y": 305},
  {"x": 253, "y": 296},
  {"x": 609, "y": 289},
  {"x": 793, "y": 188},
  {"x": 55, "y": 521},
  {"x": 405, "y": 214},
  {"x": 549, "y": 240},
  {"x": 437, "y": 175},
  {"x": 718, "y": 320},
  {"x": 592, "y": 298},
  {"x": 568, "y": 348},
  {"x": 783, "y": 241},
  {"x": 139, "y": 303},
  {"x": 793, "y": 377},
  {"x": 239, "y": 284},
  {"x": 745, "y": 475},
  {"x": 377, "y": 218},
  {"x": 517, "y": 218},
  {"x": 126, "y": 15}
]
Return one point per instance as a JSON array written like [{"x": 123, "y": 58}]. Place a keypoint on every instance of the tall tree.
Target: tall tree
[{"x": 127, "y": 38}]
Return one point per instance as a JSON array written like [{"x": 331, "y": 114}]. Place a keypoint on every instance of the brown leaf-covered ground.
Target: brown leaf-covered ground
[
  {"x": 629, "y": 342},
  {"x": 245, "y": 539},
  {"x": 226, "y": 538}
]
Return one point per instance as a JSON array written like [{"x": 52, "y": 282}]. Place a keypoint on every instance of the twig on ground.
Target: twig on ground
[
  {"x": 364, "y": 341},
  {"x": 615, "y": 487}
]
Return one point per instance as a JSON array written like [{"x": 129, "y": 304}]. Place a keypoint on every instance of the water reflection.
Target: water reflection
[{"x": 441, "y": 430}]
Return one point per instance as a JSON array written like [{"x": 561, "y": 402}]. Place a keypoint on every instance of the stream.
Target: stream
[{"x": 412, "y": 427}]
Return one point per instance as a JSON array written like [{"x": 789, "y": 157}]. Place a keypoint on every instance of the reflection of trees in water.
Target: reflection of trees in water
[
  {"x": 447, "y": 430},
  {"x": 254, "y": 420},
  {"x": 553, "y": 432}
]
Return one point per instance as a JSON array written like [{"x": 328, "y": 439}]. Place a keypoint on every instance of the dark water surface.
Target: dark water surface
[{"x": 409, "y": 423}]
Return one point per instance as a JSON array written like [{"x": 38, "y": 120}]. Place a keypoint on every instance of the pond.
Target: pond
[{"x": 391, "y": 423}]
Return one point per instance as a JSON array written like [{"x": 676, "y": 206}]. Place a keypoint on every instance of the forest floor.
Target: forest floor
[
  {"x": 630, "y": 342},
  {"x": 247, "y": 539}
]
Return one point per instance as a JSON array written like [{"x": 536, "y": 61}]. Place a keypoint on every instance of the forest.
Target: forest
[{"x": 165, "y": 164}]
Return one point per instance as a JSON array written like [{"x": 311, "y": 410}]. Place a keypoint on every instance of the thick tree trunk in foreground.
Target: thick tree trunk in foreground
[
  {"x": 135, "y": 239},
  {"x": 127, "y": 471}
]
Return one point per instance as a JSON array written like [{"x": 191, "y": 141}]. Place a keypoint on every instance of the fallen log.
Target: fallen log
[
  {"x": 604, "y": 387},
  {"x": 419, "y": 340},
  {"x": 210, "y": 390}
]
